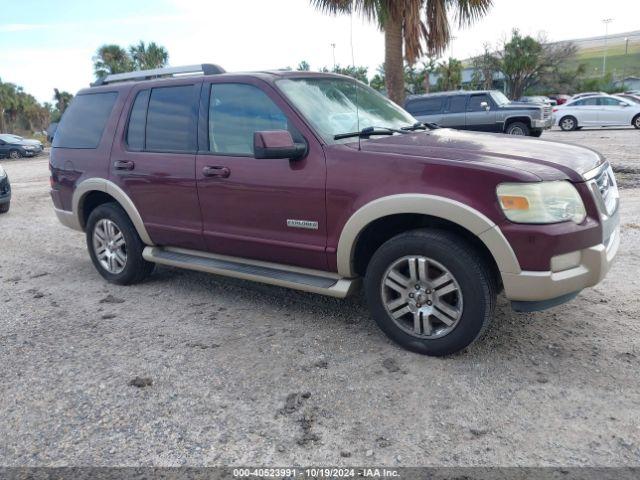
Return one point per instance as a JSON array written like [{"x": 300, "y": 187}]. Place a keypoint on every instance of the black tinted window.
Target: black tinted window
[
  {"x": 83, "y": 122},
  {"x": 236, "y": 111},
  {"x": 171, "y": 119},
  {"x": 425, "y": 106},
  {"x": 137, "y": 121},
  {"x": 475, "y": 101},
  {"x": 456, "y": 104}
]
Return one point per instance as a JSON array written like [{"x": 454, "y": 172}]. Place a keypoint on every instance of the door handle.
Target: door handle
[
  {"x": 216, "y": 171},
  {"x": 124, "y": 165}
]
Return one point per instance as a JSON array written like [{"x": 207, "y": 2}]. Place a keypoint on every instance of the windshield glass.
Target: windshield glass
[
  {"x": 329, "y": 104},
  {"x": 499, "y": 97},
  {"x": 7, "y": 137}
]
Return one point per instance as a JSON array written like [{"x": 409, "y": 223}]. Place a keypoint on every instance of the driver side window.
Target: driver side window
[
  {"x": 238, "y": 110},
  {"x": 475, "y": 101}
]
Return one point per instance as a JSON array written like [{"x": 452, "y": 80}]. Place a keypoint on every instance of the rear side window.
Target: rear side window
[
  {"x": 138, "y": 121},
  {"x": 83, "y": 122},
  {"x": 236, "y": 111},
  {"x": 456, "y": 104},
  {"x": 171, "y": 120},
  {"x": 425, "y": 106}
]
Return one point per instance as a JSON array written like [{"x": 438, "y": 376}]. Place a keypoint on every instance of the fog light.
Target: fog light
[{"x": 565, "y": 261}]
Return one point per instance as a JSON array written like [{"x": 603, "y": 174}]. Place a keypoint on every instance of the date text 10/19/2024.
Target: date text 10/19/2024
[{"x": 315, "y": 473}]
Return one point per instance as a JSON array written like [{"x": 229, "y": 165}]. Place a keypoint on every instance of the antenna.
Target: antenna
[{"x": 355, "y": 81}]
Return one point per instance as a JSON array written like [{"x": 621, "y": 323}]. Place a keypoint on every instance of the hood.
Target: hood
[{"x": 548, "y": 160}]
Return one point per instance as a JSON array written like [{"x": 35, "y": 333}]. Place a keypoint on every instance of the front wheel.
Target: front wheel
[
  {"x": 115, "y": 247},
  {"x": 536, "y": 133},
  {"x": 517, "y": 128},
  {"x": 4, "y": 208},
  {"x": 430, "y": 291},
  {"x": 568, "y": 123},
  {"x": 15, "y": 154}
]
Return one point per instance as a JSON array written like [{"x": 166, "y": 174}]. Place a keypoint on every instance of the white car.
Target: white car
[{"x": 597, "y": 111}]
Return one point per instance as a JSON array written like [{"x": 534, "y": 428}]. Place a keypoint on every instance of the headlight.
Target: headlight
[
  {"x": 542, "y": 202},
  {"x": 2, "y": 172},
  {"x": 28, "y": 147}
]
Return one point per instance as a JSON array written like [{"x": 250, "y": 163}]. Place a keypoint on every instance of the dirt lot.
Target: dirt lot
[{"x": 251, "y": 374}]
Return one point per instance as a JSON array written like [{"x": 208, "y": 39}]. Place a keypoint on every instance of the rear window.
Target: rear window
[
  {"x": 171, "y": 120},
  {"x": 83, "y": 122},
  {"x": 456, "y": 104},
  {"x": 425, "y": 106}
]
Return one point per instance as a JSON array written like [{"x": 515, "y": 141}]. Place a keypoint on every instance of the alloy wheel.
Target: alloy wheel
[
  {"x": 568, "y": 124},
  {"x": 14, "y": 154},
  {"x": 422, "y": 297},
  {"x": 109, "y": 246}
]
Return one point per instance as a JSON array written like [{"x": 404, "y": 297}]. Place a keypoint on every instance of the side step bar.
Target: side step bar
[{"x": 315, "y": 281}]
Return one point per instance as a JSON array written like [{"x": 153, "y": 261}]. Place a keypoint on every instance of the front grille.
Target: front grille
[
  {"x": 4, "y": 186},
  {"x": 546, "y": 111},
  {"x": 606, "y": 185}
]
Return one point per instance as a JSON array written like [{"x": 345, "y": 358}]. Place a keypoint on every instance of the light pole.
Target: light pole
[
  {"x": 333, "y": 50},
  {"x": 606, "y": 22},
  {"x": 624, "y": 65}
]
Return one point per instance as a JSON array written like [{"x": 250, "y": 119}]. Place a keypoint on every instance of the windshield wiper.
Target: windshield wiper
[
  {"x": 421, "y": 126},
  {"x": 368, "y": 132}
]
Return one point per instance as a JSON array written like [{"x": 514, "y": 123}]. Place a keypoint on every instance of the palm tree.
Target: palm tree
[
  {"x": 63, "y": 99},
  {"x": 409, "y": 24},
  {"x": 450, "y": 74},
  {"x": 111, "y": 59},
  {"x": 147, "y": 57}
]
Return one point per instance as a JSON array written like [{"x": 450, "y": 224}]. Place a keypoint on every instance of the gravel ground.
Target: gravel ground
[{"x": 193, "y": 369}]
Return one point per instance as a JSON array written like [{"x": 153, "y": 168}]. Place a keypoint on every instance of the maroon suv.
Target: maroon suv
[{"x": 314, "y": 181}]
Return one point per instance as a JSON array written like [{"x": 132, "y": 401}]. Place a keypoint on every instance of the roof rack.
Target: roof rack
[{"x": 204, "y": 69}]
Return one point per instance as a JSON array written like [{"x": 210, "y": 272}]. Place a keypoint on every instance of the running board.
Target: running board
[{"x": 316, "y": 281}]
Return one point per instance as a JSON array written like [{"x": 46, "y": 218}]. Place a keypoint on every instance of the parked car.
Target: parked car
[
  {"x": 539, "y": 99},
  {"x": 482, "y": 111},
  {"x": 5, "y": 191},
  {"x": 597, "y": 111},
  {"x": 586, "y": 94},
  {"x": 14, "y": 146},
  {"x": 317, "y": 182},
  {"x": 560, "y": 98},
  {"x": 629, "y": 96}
]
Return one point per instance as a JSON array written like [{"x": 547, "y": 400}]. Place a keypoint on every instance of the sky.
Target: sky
[{"x": 46, "y": 44}]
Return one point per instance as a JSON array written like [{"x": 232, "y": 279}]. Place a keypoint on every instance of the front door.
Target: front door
[
  {"x": 612, "y": 112},
  {"x": 154, "y": 161},
  {"x": 480, "y": 117},
  {"x": 264, "y": 209}
]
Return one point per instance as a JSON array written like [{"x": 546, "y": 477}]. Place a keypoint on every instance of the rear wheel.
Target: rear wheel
[
  {"x": 115, "y": 247},
  {"x": 568, "y": 123},
  {"x": 430, "y": 292},
  {"x": 636, "y": 121},
  {"x": 517, "y": 128}
]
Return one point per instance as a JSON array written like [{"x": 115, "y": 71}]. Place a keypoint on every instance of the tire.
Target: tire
[
  {"x": 15, "y": 154},
  {"x": 517, "y": 128},
  {"x": 536, "y": 133},
  {"x": 568, "y": 123},
  {"x": 636, "y": 121},
  {"x": 470, "y": 291},
  {"x": 4, "y": 208},
  {"x": 118, "y": 262}
]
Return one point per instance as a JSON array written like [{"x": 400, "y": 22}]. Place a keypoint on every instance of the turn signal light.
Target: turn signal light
[{"x": 512, "y": 202}]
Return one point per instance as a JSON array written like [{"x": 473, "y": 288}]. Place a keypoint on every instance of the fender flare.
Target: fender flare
[
  {"x": 459, "y": 213},
  {"x": 102, "y": 185}
]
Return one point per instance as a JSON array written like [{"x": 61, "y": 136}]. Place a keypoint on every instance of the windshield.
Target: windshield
[
  {"x": 7, "y": 137},
  {"x": 499, "y": 97},
  {"x": 329, "y": 104}
]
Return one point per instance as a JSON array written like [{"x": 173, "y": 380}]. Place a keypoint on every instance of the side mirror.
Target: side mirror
[
  {"x": 485, "y": 105},
  {"x": 623, "y": 104},
  {"x": 277, "y": 144}
]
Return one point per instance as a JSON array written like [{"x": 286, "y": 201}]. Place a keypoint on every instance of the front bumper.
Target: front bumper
[
  {"x": 595, "y": 262},
  {"x": 5, "y": 191},
  {"x": 544, "y": 124}
]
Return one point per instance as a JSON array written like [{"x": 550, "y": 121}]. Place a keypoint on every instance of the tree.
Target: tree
[
  {"x": 63, "y": 99},
  {"x": 450, "y": 74},
  {"x": 303, "y": 66},
  {"x": 111, "y": 59},
  {"x": 429, "y": 67},
  {"x": 409, "y": 25},
  {"x": 148, "y": 57},
  {"x": 525, "y": 60},
  {"x": 485, "y": 66},
  {"x": 359, "y": 72},
  {"x": 20, "y": 111}
]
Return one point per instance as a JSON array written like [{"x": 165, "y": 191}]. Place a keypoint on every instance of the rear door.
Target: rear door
[
  {"x": 454, "y": 112},
  {"x": 153, "y": 161},
  {"x": 611, "y": 112},
  {"x": 478, "y": 118}
]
